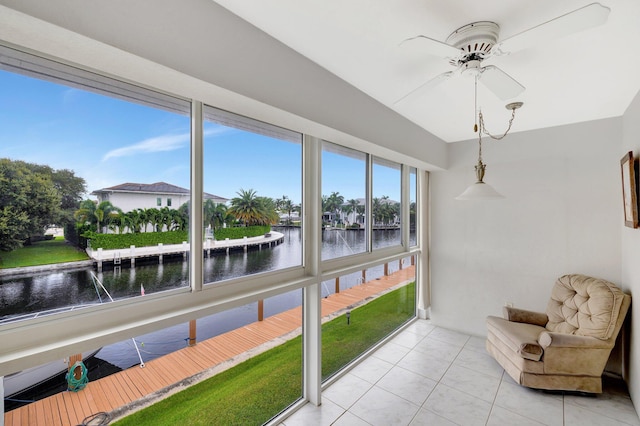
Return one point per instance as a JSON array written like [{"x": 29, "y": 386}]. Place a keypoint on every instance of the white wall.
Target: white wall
[
  {"x": 562, "y": 214},
  {"x": 630, "y": 256}
]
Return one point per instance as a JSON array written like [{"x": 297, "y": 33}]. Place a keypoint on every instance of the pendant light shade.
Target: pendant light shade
[{"x": 480, "y": 191}]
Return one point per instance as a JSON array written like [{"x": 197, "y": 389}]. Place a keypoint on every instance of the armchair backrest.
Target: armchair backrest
[{"x": 584, "y": 306}]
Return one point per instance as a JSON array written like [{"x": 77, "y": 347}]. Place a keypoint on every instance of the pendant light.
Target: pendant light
[{"x": 481, "y": 190}]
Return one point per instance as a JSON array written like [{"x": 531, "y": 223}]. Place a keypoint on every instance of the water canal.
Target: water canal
[{"x": 34, "y": 293}]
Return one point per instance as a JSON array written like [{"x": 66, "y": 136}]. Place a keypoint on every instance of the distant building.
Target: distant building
[{"x": 131, "y": 196}]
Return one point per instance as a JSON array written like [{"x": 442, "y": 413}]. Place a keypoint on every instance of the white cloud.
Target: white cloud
[{"x": 157, "y": 144}]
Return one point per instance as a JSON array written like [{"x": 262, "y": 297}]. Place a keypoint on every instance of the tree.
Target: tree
[
  {"x": 29, "y": 203},
  {"x": 333, "y": 203},
  {"x": 154, "y": 218},
  {"x": 268, "y": 209},
  {"x": 285, "y": 205},
  {"x": 376, "y": 208},
  {"x": 69, "y": 187},
  {"x": 86, "y": 215},
  {"x": 221, "y": 216},
  {"x": 253, "y": 210},
  {"x": 351, "y": 207},
  {"x": 97, "y": 216}
]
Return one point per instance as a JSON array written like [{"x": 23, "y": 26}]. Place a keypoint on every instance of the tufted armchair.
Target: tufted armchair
[{"x": 567, "y": 347}]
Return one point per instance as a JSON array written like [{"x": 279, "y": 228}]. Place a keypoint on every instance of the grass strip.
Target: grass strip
[
  {"x": 42, "y": 253},
  {"x": 368, "y": 324},
  {"x": 252, "y": 392}
]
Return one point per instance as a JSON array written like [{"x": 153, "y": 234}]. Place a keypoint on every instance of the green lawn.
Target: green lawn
[
  {"x": 254, "y": 391},
  {"x": 42, "y": 253}
]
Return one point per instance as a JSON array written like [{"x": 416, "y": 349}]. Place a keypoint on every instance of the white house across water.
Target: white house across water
[{"x": 130, "y": 196}]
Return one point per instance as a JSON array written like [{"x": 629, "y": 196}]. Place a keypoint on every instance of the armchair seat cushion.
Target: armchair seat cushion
[{"x": 520, "y": 337}]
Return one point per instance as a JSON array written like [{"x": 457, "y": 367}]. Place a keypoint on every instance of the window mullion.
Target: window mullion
[
  {"x": 369, "y": 205},
  {"x": 195, "y": 213},
  {"x": 312, "y": 224}
]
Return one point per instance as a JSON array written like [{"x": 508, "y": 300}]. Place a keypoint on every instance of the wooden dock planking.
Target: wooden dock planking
[
  {"x": 12, "y": 418},
  {"x": 69, "y": 414},
  {"x": 124, "y": 387},
  {"x": 33, "y": 412},
  {"x": 211, "y": 356},
  {"x": 101, "y": 396}
]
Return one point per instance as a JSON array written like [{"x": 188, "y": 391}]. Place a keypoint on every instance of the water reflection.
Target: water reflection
[{"x": 48, "y": 290}]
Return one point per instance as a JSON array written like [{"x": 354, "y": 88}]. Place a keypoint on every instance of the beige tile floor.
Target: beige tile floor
[{"x": 432, "y": 376}]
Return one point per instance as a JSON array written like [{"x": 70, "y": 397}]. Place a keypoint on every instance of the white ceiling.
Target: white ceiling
[{"x": 584, "y": 76}]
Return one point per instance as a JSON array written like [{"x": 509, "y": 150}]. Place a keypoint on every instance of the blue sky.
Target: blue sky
[{"x": 108, "y": 141}]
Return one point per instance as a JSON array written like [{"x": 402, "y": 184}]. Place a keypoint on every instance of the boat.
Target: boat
[
  {"x": 24, "y": 380},
  {"x": 31, "y": 377}
]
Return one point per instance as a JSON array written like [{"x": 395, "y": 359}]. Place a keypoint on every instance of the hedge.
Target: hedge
[
  {"x": 144, "y": 239},
  {"x": 240, "y": 232}
]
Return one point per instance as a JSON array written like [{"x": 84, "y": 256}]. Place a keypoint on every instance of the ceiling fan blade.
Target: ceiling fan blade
[
  {"x": 500, "y": 83},
  {"x": 584, "y": 18},
  {"x": 426, "y": 86},
  {"x": 431, "y": 46}
]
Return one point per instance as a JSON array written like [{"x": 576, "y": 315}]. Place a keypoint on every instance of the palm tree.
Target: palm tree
[
  {"x": 287, "y": 206},
  {"x": 208, "y": 210},
  {"x": 134, "y": 221},
  {"x": 113, "y": 219},
  {"x": 179, "y": 222},
  {"x": 96, "y": 215},
  {"x": 333, "y": 203},
  {"x": 360, "y": 213},
  {"x": 351, "y": 207},
  {"x": 166, "y": 219},
  {"x": 154, "y": 218},
  {"x": 268, "y": 208},
  {"x": 85, "y": 215},
  {"x": 221, "y": 216},
  {"x": 252, "y": 210},
  {"x": 377, "y": 210}
]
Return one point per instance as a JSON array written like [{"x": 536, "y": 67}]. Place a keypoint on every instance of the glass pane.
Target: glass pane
[
  {"x": 386, "y": 204},
  {"x": 343, "y": 201},
  {"x": 367, "y": 307},
  {"x": 253, "y": 191},
  {"x": 413, "y": 196},
  {"x": 244, "y": 392},
  {"x": 265, "y": 335},
  {"x": 86, "y": 170}
]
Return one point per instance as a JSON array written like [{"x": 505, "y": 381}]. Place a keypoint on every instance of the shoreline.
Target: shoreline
[{"x": 21, "y": 270}]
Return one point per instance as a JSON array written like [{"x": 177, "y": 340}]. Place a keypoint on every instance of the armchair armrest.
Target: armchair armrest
[
  {"x": 560, "y": 340},
  {"x": 522, "y": 315}
]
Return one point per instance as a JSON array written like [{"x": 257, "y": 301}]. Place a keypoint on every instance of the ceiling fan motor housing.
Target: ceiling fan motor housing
[{"x": 474, "y": 40}]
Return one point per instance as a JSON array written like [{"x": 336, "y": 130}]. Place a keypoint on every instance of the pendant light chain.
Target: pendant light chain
[{"x": 484, "y": 130}]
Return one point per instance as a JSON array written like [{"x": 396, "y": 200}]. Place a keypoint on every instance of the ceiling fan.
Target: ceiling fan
[{"x": 468, "y": 46}]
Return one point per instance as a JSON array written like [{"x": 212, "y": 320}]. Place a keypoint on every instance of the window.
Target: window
[
  {"x": 364, "y": 320},
  {"x": 252, "y": 218},
  {"x": 344, "y": 220},
  {"x": 413, "y": 196},
  {"x": 78, "y": 133},
  {"x": 385, "y": 206},
  {"x": 254, "y": 170}
]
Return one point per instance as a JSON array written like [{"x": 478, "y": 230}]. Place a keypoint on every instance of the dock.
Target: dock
[
  {"x": 119, "y": 393},
  {"x": 117, "y": 256}
]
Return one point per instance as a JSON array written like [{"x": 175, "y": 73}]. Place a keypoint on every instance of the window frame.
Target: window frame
[{"x": 39, "y": 340}]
